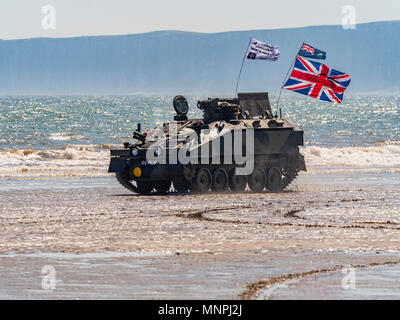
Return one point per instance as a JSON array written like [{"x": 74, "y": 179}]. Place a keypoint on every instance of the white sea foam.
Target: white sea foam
[
  {"x": 387, "y": 155},
  {"x": 74, "y": 160},
  {"x": 90, "y": 160},
  {"x": 63, "y": 136}
]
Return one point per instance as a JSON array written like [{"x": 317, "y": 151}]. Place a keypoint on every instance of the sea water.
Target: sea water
[{"x": 70, "y": 136}]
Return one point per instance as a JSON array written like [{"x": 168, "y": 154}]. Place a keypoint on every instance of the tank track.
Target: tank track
[
  {"x": 123, "y": 179},
  {"x": 289, "y": 172},
  {"x": 287, "y": 180}
]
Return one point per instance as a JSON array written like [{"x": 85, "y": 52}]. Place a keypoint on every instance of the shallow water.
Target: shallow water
[
  {"x": 106, "y": 243},
  {"x": 380, "y": 282},
  {"x": 209, "y": 275}
]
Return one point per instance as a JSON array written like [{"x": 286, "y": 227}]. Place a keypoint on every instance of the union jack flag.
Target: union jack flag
[
  {"x": 308, "y": 48},
  {"x": 317, "y": 80},
  {"x": 310, "y": 52}
]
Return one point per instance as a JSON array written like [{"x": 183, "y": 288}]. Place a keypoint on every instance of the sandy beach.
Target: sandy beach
[{"x": 104, "y": 242}]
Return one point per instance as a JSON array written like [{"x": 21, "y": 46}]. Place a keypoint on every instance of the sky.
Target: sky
[{"x": 24, "y": 18}]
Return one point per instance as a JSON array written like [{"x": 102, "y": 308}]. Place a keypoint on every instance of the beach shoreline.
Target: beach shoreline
[{"x": 104, "y": 241}]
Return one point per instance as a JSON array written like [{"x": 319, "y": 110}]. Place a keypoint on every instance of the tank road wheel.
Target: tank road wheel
[
  {"x": 274, "y": 181},
  {"x": 257, "y": 180},
  {"x": 236, "y": 183},
  {"x": 162, "y": 187},
  {"x": 220, "y": 180},
  {"x": 202, "y": 181}
]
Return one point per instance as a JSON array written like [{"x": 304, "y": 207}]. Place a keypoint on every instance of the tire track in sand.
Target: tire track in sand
[
  {"x": 198, "y": 215},
  {"x": 253, "y": 288}
]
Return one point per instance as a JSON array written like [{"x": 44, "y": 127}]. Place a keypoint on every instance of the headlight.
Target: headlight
[{"x": 135, "y": 152}]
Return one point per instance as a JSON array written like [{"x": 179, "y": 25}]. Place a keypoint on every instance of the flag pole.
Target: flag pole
[
  {"x": 241, "y": 67},
  {"x": 284, "y": 80}
]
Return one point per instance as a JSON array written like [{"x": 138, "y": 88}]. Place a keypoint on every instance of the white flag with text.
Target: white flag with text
[{"x": 261, "y": 50}]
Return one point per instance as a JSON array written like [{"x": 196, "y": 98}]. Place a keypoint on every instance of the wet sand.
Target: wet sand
[{"x": 104, "y": 242}]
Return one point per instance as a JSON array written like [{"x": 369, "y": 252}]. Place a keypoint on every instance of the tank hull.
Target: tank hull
[{"x": 229, "y": 149}]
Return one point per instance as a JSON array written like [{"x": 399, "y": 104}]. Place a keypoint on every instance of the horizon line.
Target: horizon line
[{"x": 195, "y": 32}]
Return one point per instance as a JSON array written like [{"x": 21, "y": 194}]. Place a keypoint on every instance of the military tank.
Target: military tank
[{"x": 238, "y": 145}]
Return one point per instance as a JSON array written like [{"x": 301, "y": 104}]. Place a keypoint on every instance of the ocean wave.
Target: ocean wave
[
  {"x": 93, "y": 160},
  {"x": 387, "y": 155},
  {"x": 63, "y": 136},
  {"x": 70, "y": 152},
  {"x": 73, "y": 160}
]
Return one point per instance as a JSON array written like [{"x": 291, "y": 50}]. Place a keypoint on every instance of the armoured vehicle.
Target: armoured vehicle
[{"x": 237, "y": 145}]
